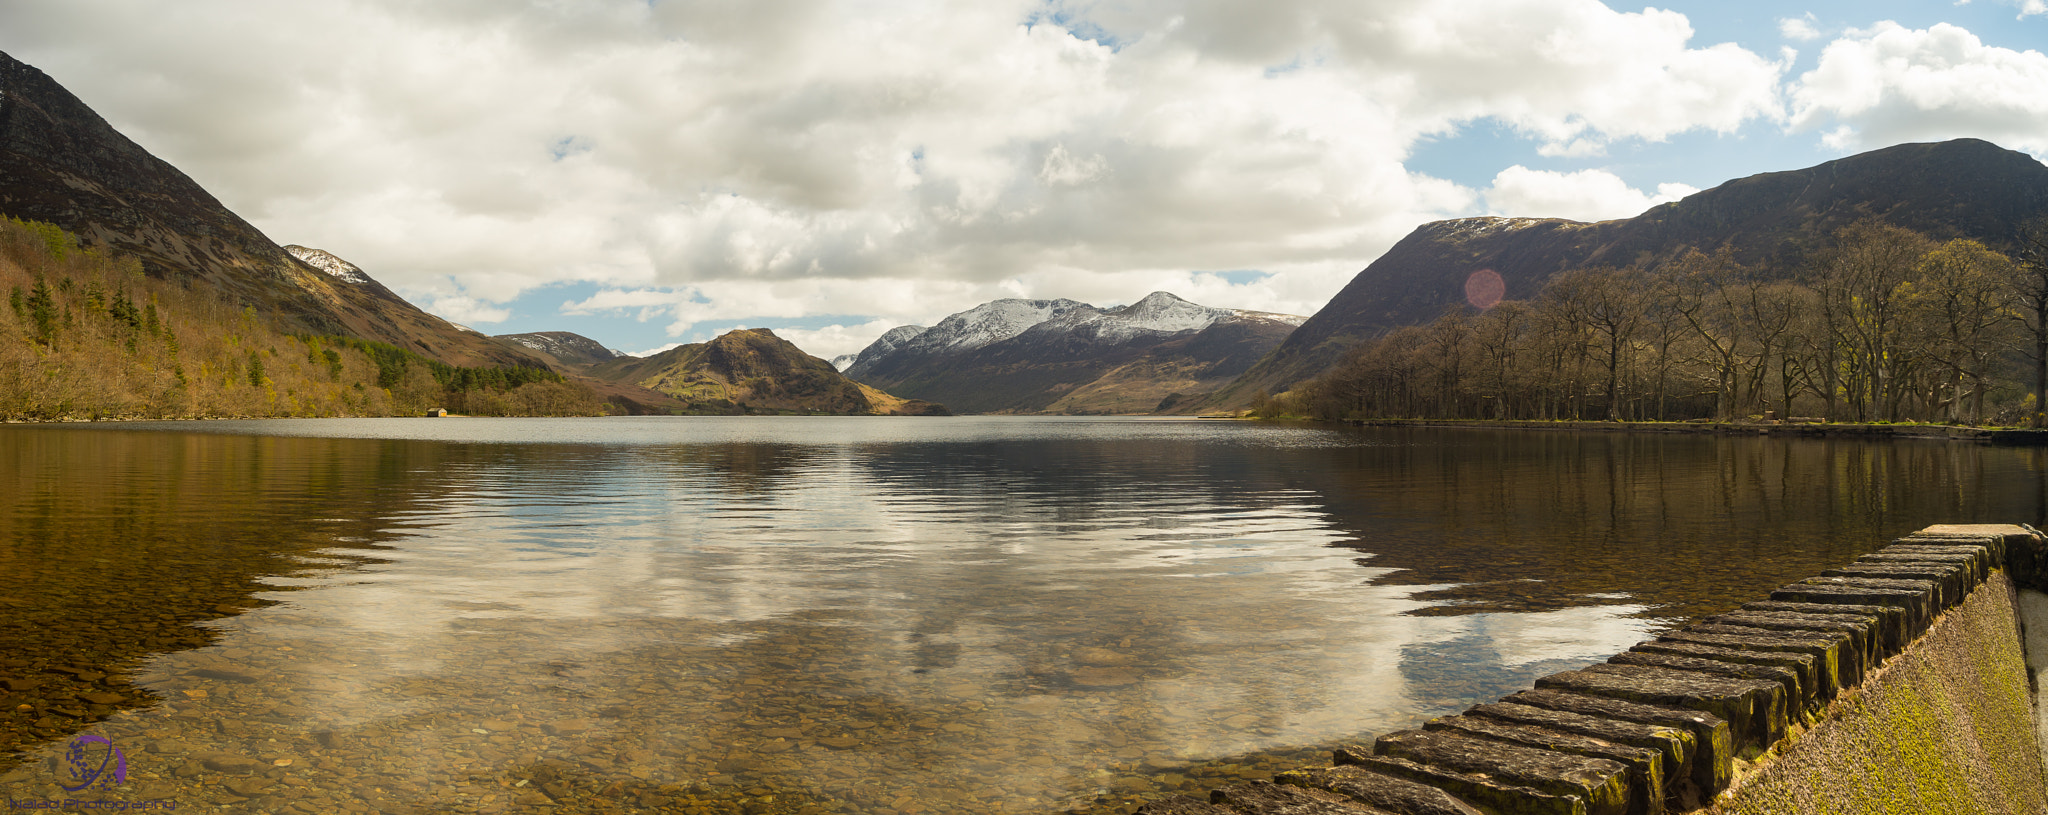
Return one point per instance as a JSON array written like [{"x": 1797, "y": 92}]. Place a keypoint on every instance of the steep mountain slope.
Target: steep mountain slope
[
  {"x": 61, "y": 163},
  {"x": 752, "y": 370},
  {"x": 1961, "y": 188},
  {"x": 1062, "y": 356},
  {"x": 563, "y": 348}
]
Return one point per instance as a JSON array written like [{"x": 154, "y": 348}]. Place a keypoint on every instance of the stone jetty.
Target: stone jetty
[{"x": 1772, "y": 707}]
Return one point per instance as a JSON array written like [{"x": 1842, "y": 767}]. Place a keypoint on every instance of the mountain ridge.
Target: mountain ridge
[
  {"x": 1052, "y": 356},
  {"x": 1960, "y": 188},
  {"x": 752, "y": 370},
  {"x": 61, "y": 163}
]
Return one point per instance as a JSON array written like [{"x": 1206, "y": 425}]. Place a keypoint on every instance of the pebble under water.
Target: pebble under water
[{"x": 831, "y": 615}]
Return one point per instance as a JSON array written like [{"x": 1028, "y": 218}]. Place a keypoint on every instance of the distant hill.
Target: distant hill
[
  {"x": 754, "y": 371},
  {"x": 1962, "y": 188},
  {"x": 1065, "y": 356},
  {"x": 61, "y": 163},
  {"x": 565, "y": 349}
]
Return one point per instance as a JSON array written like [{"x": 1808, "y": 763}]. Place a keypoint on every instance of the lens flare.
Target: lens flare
[{"x": 1484, "y": 289}]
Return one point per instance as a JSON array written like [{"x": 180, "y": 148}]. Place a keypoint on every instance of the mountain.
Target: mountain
[
  {"x": 885, "y": 345},
  {"x": 844, "y": 361},
  {"x": 1962, "y": 188},
  {"x": 754, "y": 371},
  {"x": 564, "y": 349},
  {"x": 61, "y": 163},
  {"x": 1064, "y": 356}
]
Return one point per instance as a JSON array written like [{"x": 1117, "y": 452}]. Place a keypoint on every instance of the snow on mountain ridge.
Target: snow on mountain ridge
[
  {"x": 325, "y": 261},
  {"x": 988, "y": 323}
]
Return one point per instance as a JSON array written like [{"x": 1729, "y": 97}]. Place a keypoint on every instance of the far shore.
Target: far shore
[{"x": 2006, "y": 436}]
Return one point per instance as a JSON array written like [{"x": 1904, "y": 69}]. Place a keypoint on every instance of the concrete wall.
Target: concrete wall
[{"x": 1896, "y": 684}]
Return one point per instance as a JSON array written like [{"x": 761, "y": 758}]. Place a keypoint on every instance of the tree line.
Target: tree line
[
  {"x": 1883, "y": 324},
  {"x": 86, "y": 335}
]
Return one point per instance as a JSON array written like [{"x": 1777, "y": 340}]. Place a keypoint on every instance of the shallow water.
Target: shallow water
[{"x": 858, "y": 615}]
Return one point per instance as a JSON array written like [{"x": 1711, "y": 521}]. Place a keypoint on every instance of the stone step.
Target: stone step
[
  {"x": 1916, "y": 604},
  {"x": 1646, "y": 780},
  {"x": 1808, "y": 700},
  {"x": 1685, "y": 776},
  {"x": 1977, "y": 566},
  {"x": 1837, "y": 662},
  {"x": 1490, "y": 795},
  {"x": 1387, "y": 792},
  {"x": 1755, "y": 709},
  {"x": 1862, "y": 630},
  {"x": 1713, "y": 742},
  {"x": 1805, "y": 666},
  {"x": 1953, "y": 582},
  {"x": 1268, "y": 798},
  {"x": 1888, "y": 621},
  {"x": 1602, "y": 784}
]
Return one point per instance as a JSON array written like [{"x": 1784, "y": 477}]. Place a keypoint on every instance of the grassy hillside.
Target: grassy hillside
[{"x": 86, "y": 335}]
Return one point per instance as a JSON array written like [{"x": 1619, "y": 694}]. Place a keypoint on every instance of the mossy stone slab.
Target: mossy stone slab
[
  {"x": 1493, "y": 796},
  {"x": 1862, "y": 630},
  {"x": 1676, "y": 745},
  {"x": 1646, "y": 780},
  {"x": 1182, "y": 805},
  {"x": 1602, "y": 783},
  {"x": 1380, "y": 790},
  {"x": 1713, "y": 743},
  {"x": 1914, "y": 604},
  {"x": 1268, "y": 798},
  {"x": 1787, "y": 677},
  {"x": 1837, "y": 665},
  {"x": 1953, "y": 582},
  {"x": 1888, "y": 621},
  {"x": 1755, "y": 709}
]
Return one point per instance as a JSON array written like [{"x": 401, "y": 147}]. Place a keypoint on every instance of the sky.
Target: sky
[{"x": 648, "y": 173}]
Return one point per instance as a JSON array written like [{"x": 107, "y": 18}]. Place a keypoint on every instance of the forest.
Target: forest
[
  {"x": 87, "y": 336},
  {"x": 1882, "y": 325}
]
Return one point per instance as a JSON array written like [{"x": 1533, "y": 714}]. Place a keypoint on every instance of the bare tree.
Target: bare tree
[
  {"x": 1959, "y": 309},
  {"x": 2029, "y": 287},
  {"x": 1861, "y": 279}
]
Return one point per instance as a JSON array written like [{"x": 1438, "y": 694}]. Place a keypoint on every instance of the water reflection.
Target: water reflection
[{"x": 834, "y": 615}]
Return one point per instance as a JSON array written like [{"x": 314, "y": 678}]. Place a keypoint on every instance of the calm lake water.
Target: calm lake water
[{"x": 860, "y": 615}]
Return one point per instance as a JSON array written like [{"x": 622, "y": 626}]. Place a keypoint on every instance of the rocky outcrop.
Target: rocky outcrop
[{"x": 754, "y": 371}]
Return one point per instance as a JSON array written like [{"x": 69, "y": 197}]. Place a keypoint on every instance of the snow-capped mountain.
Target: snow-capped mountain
[
  {"x": 325, "y": 261},
  {"x": 1064, "y": 356}
]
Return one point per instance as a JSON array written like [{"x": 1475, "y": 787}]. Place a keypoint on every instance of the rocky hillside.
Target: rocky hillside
[
  {"x": 1962, "y": 188},
  {"x": 754, "y": 371},
  {"x": 1064, "y": 356},
  {"x": 563, "y": 348},
  {"x": 61, "y": 163}
]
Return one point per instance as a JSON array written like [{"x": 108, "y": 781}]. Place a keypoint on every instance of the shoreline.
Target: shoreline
[{"x": 2006, "y": 437}]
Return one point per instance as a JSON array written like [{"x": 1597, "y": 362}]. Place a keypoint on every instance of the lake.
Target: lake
[{"x": 860, "y": 615}]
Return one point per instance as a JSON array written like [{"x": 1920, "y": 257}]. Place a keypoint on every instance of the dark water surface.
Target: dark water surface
[{"x": 857, "y": 615}]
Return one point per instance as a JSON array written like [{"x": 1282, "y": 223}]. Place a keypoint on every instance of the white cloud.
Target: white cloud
[
  {"x": 708, "y": 162},
  {"x": 2030, "y": 8},
  {"x": 834, "y": 340},
  {"x": 1584, "y": 195},
  {"x": 1802, "y": 29},
  {"x": 467, "y": 311},
  {"x": 1892, "y": 84}
]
